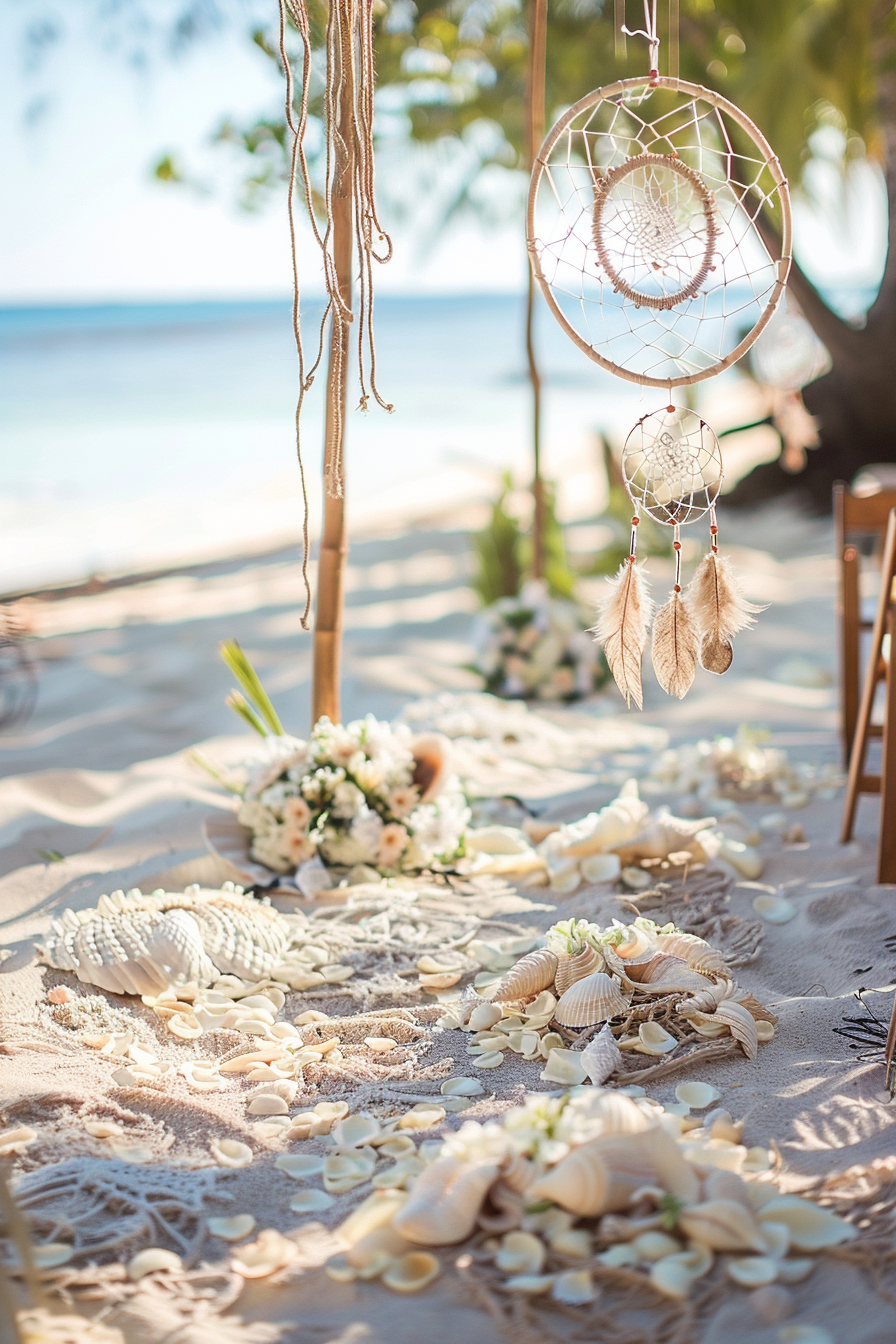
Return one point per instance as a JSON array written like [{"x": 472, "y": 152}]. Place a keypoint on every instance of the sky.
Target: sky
[{"x": 83, "y": 221}]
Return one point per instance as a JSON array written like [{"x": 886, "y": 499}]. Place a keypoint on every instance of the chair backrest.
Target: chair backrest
[{"x": 864, "y": 513}]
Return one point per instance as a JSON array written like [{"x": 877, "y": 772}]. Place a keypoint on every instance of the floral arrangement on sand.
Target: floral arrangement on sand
[
  {"x": 534, "y": 646},
  {"x": 363, "y": 793}
]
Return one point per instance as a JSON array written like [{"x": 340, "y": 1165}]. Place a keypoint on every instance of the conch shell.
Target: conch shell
[
  {"x": 741, "y": 1023},
  {"x": 571, "y": 969},
  {"x": 665, "y": 835},
  {"x": 445, "y": 1202},
  {"x": 599, "y": 831},
  {"x": 698, "y": 954},
  {"x": 602, "y": 1175},
  {"x": 722, "y": 1225},
  {"x": 531, "y": 974},
  {"x": 593, "y": 999},
  {"x": 430, "y": 755},
  {"x": 664, "y": 974}
]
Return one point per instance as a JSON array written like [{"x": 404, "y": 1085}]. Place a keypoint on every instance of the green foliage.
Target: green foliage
[
  {"x": 503, "y": 550},
  {"x": 255, "y": 706},
  {"x": 498, "y": 551}
]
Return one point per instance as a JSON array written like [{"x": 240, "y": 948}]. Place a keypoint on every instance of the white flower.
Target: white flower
[
  {"x": 348, "y": 800},
  {"x": 273, "y": 758},
  {"x": 357, "y": 844},
  {"x": 478, "y": 1143},
  {"x": 271, "y": 850},
  {"x": 403, "y": 799},
  {"x": 259, "y": 819},
  {"x": 392, "y": 843}
]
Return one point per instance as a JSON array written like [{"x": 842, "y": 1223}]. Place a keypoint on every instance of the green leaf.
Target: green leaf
[
  {"x": 240, "y": 705},
  {"x": 49, "y": 855},
  {"x": 248, "y": 678}
]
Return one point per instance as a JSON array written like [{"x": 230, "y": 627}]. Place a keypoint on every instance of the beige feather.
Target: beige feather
[
  {"x": 623, "y": 618},
  {"x": 718, "y": 610},
  {"x": 675, "y": 647}
]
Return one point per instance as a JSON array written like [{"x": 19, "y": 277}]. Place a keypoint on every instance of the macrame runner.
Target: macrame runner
[{"x": 350, "y": 82}]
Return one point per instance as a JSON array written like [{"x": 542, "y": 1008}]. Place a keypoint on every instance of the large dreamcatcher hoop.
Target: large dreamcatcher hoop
[{"x": 643, "y": 232}]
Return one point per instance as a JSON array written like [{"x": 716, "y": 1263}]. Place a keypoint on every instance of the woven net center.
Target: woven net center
[{"x": 672, "y": 466}]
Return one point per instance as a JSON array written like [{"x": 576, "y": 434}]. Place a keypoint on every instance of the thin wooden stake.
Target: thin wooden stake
[
  {"x": 334, "y": 544},
  {"x": 535, "y": 82}
]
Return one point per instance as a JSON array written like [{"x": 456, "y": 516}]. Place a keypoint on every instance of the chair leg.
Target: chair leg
[
  {"x": 850, "y": 635},
  {"x": 886, "y": 850}
]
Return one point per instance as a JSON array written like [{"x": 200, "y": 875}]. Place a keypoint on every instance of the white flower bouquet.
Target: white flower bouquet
[
  {"x": 533, "y": 646},
  {"x": 361, "y": 793}
]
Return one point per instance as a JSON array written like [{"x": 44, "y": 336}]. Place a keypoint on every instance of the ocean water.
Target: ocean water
[{"x": 136, "y": 436}]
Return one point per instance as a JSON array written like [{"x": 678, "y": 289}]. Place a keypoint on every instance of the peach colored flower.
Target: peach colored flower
[
  {"x": 297, "y": 847},
  {"x": 392, "y": 842},
  {"x": 404, "y": 799},
  {"x": 296, "y": 814}
]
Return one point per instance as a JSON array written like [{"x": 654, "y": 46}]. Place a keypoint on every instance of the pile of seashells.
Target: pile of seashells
[
  {"x": 620, "y": 841},
  {"x": 565, "y": 1190},
  {"x": 585, "y": 976}
]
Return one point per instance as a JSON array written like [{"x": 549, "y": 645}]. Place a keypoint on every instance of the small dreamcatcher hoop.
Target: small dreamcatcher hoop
[
  {"x": 672, "y": 466},
  {"x": 642, "y": 229}
]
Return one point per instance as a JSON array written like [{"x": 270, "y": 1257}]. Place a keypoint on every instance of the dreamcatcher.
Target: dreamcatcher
[{"x": 645, "y": 236}]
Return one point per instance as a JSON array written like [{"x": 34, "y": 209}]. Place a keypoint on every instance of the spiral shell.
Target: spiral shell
[
  {"x": 664, "y": 974},
  {"x": 593, "y": 999},
  {"x": 741, "y": 1024},
  {"x": 697, "y": 952},
  {"x": 445, "y": 1202},
  {"x": 757, "y": 1010},
  {"x": 571, "y": 969},
  {"x": 636, "y": 943},
  {"x": 602, "y": 1175},
  {"x": 531, "y": 974},
  {"x": 707, "y": 1000}
]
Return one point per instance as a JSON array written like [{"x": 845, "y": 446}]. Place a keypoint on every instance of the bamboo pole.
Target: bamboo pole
[
  {"x": 334, "y": 543},
  {"x": 535, "y": 81}
]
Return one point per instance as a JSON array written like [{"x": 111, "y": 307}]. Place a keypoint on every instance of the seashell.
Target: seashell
[
  {"x": 16, "y": 1140},
  {"x": 380, "y": 1045},
  {"x": 231, "y": 1229},
  {"x": 496, "y": 840},
  {"x": 137, "y": 944},
  {"x": 462, "y": 1087},
  {"x": 665, "y": 974},
  {"x": 575, "y": 1287},
  {"x": 539, "y": 1012},
  {"x": 599, "y": 1176},
  {"x": 752, "y": 1271},
  {"x": 411, "y": 1272},
  {"x": 636, "y": 942},
  {"x": 698, "y": 953},
  {"x": 573, "y": 968},
  {"x": 744, "y": 859},
  {"x": 399, "y": 1145},
  {"x": 654, "y": 1039},
  {"x": 600, "y": 868},
  {"x": 601, "y": 1057},
  {"x": 372, "y": 1214},
  {"x": 268, "y": 1253},
  {"x": 764, "y": 1032},
  {"x": 103, "y": 1129},
  {"x": 741, "y": 1025},
  {"x": 574, "y": 1242},
  {"x": 431, "y": 755},
  {"x": 520, "y": 1253},
  {"x": 776, "y": 1240},
  {"x": 564, "y": 1066},
  {"x": 652, "y": 1246},
  {"x": 423, "y": 1116},
  {"x": 201, "y": 1076},
  {"x": 795, "y": 1270},
  {"x": 299, "y": 1166},
  {"x": 727, "y": 1185},
  {"x": 531, "y": 1284},
  {"x": 774, "y": 909},
  {"x": 343, "y": 1172},
  {"x": 593, "y": 999},
  {"x": 600, "y": 831},
  {"x": 531, "y": 974},
  {"x": 151, "y": 1261},
  {"x": 721, "y": 1225},
  {"x": 483, "y": 1016},
  {"x": 356, "y": 1131},
  {"x": 445, "y": 1202},
  {"x": 697, "y": 1095},
  {"x": 675, "y": 1275},
  {"x": 310, "y": 1201},
  {"x": 131, "y": 1152},
  {"x": 267, "y": 1106},
  {"x": 493, "y": 1059},
  {"x": 230, "y": 1153},
  {"x": 52, "y": 1254},
  {"x": 811, "y": 1227}
]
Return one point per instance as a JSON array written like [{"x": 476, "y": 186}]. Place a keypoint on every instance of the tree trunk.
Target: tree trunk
[
  {"x": 855, "y": 403},
  {"x": 334, "y": 544}
]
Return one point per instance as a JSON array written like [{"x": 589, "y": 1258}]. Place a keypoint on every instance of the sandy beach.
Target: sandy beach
[{"x": 130, "y": 679}]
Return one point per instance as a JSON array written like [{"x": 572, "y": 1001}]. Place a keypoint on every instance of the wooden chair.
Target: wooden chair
[
  {"x": 857, "y": 518},
  {"x": 881, "y": 668}
]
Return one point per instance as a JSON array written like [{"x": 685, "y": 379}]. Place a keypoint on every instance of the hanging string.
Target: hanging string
[
  {"x": 619, "y": 17},
  {"x": 650, "y": 32},
  {"x": 350, "y": 71}
]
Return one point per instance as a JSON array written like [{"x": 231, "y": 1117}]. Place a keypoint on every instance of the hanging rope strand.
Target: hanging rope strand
[{"x": 650, "y": 32}]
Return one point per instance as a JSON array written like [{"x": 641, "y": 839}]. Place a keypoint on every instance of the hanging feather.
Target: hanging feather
[
  {"x": 623, "y": 618},
  {"x": 675, "y": 647},
  {"x": 719, "y": 610}
]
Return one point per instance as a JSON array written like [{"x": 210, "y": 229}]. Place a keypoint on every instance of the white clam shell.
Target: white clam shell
[
  {"x": 520, "y": 1253},
  {"x": 575, "y": 1287},
  {"x": 651, "y": 1246},
  {"x": 721, "y": 1225},
  {"x": 654, "y": 1039},
  {"x": 264, "y": 1256},
  {"x": 380, "y": 1045},
  {"x": 697, "y": 1095},
  {"x": 811, "y": 1227},
  {"x": 16, "y": 1140},
  {"x": 752, "y": 1271},
  {"x": 151, "y": 1261},
  {"x": 491, "y": 1060},
  {"x": 310, "y": 1201},
  {"x": 102, "y": 1129},
  {"x": 462, "y": 1087},
  {"x": 300, "y": 1166},
  {"x": 356, "y": 1131},
  {"x": 230, "y": 1153},
  {"x": 231, "y": 1229},
  {"x": 423, "y": 1116},
  {"x": 564, "y": 1066},
  {"x": 52, "y": 1254},
  {"x": 774, "y": 909},
  {"x": 267, "y": 1105},
  {"x": 411, "y": 1272},
  {"x": 600, "y": 868}
]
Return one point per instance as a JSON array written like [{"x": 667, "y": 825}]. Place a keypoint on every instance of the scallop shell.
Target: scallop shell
[
  {"x": 741, "y": 1024},
  {"x": 445, "y": 1202},
  {"x": 531, "y": 974},
  {"x": 137, "y": 944},
  {"x": 571, "y": 969},
  {"x": 593, "y": 999}
]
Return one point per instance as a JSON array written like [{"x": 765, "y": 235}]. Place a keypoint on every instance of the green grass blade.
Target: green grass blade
[
  {"x": 240, "y": 705},
  {"x": 235, "y": 658}
]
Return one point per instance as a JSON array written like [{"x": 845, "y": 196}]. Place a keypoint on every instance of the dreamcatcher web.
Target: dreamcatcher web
[
  {"x": 643, "y": 231},
  {"x": 672, "y": 466}
]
